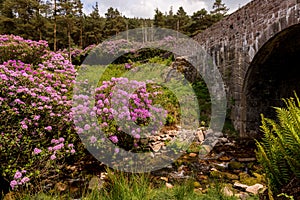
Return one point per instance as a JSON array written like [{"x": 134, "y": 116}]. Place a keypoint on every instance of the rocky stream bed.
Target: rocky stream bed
[{"x": 230, "y": 162}]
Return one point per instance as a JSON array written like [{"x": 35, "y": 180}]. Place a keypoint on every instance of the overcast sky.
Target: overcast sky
[{"x": 145, "y": 8}]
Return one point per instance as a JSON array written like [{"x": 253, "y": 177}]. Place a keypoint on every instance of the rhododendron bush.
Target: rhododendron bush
[
  {"x": 77, "y": 55},
  {"x": 16, "y": 48},
  {"x": 37, "y": 129},
  {"x": 35, "y": 103},
  {"x": 124, "y": 111}
]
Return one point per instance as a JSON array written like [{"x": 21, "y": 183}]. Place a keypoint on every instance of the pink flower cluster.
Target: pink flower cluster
[
  {"x": 122, "y": 106},
  {"x": 35, "y": 102},
  {"x": 77, "y": 54},
  {"x": 16, "y": 48},
  {"x": 128, "y": 66},
  {"x": 19, "y": 179},
  {"x": 122, "y": 46},
  {"x": 59, "y": 146}
]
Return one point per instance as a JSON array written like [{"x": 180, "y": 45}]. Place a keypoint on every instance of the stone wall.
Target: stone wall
[{"x": 234, "y": 42}]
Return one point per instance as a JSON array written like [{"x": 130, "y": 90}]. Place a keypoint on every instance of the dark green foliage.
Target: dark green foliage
[
  {"x": 65, "y": 25},
  {"x": 278, "y": 151},
  {"x": 114, "y": 23},
  {"x": 159, "y": 18},
  {"x": 219, "y": 10},
  {"x": 203, "y": 97},
  {"x": 142, "y": 55}
]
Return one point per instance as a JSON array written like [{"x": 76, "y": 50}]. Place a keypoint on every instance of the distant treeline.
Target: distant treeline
[{"x": 64, "y": 24}]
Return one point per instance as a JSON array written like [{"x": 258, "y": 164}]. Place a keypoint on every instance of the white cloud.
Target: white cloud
[{"x": 145, "y": 8}]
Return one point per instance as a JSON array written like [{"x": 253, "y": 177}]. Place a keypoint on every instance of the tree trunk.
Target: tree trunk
[
  {"x": 69, "y": 41},
  {"x": 54, "y": 29},
  {"x": 81, "y": 37},
  {"x": 40, "y": 33}
]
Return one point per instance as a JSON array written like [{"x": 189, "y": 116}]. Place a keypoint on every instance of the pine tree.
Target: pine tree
[
  {"x": 219, "y": 10},
  {"x": 68, "y": 12},
  {"x": 171, "y": 20},
  {"x": 18, "y": 14},
  {"x": 159, "y": 19},
  {"x": 7, "y": 18},
  {"x": 94, "y": 24},
  {"x": 79, "y": 21},
  {"x": 201, "y": 20},
  {"x": 183, "y": 20},
  {"x": 114, "y": 23},
  {"x": 55, "y": 25}
]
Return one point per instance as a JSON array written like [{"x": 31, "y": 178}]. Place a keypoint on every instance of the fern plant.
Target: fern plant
[{"x": 279, "y": 150}]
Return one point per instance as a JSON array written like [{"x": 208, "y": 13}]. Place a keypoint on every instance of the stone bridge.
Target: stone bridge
[{"x": 256, "y": 49}]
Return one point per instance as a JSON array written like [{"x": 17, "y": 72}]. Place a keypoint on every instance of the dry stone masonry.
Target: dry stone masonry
[{"x": 254, "y": 48}]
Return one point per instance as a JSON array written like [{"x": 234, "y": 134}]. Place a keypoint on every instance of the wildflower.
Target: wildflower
[
  {"x": 104, "y": 124},
  {"x": 106, "y": 101},
  {"x": 25, "y": 180},
  {"x": 37, "y": 117},
  {"x": 128, "y": 66},
  {"x": 93, "y": 139},
  {"x": 53, "y": 157},
  {"x": 18, "y": 175},
  {"x": 105, "y": 110},
  {"x": 87, "y": 127},
  {"x": 13, "y": 183},
  {"x": 24, "y": 126},
  {"x": 48, "y": 128},
  {"x": 58, "y": 147},
  {"x": 137, "y": 136},
  {"x": 37, "y": 151},
  {"x": 54, "y": 141},
  {"x": 114, "y": 139}
]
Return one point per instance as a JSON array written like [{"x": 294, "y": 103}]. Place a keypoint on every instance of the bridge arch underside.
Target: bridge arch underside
[{"x": 273, "y": 74}]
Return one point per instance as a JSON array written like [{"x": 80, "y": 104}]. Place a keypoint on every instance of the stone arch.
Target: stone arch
[{"x": 273, "y": 74}]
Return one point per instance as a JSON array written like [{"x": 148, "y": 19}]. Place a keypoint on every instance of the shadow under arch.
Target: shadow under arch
[{"x": 273, "y": 74}]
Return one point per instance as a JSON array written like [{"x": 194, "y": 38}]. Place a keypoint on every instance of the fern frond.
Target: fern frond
[{"x": 279, "y": 150}]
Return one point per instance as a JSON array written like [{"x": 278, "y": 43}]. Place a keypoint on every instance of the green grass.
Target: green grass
[
  {"x": 126, "y": 186},
  {"x": 177, "y": 97}
]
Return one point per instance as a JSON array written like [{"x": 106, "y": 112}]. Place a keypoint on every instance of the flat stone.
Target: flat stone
[
  {"x": 240, "y": 185},
  {"x": 164, "y": 178},
  {"x": 169, "y": 185},
  {"x": 254, "y": 189},
  {"x": 221, "y": 166},
  {"x": 193, "y": 155},
  {"x": 156, "y": 147}
]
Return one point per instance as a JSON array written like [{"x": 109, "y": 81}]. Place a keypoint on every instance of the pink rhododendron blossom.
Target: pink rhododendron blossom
[
  {"x": 17, "y": 175},
  {"x": 114, "y": 139},
  {"x": 37, "y": 151}
]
